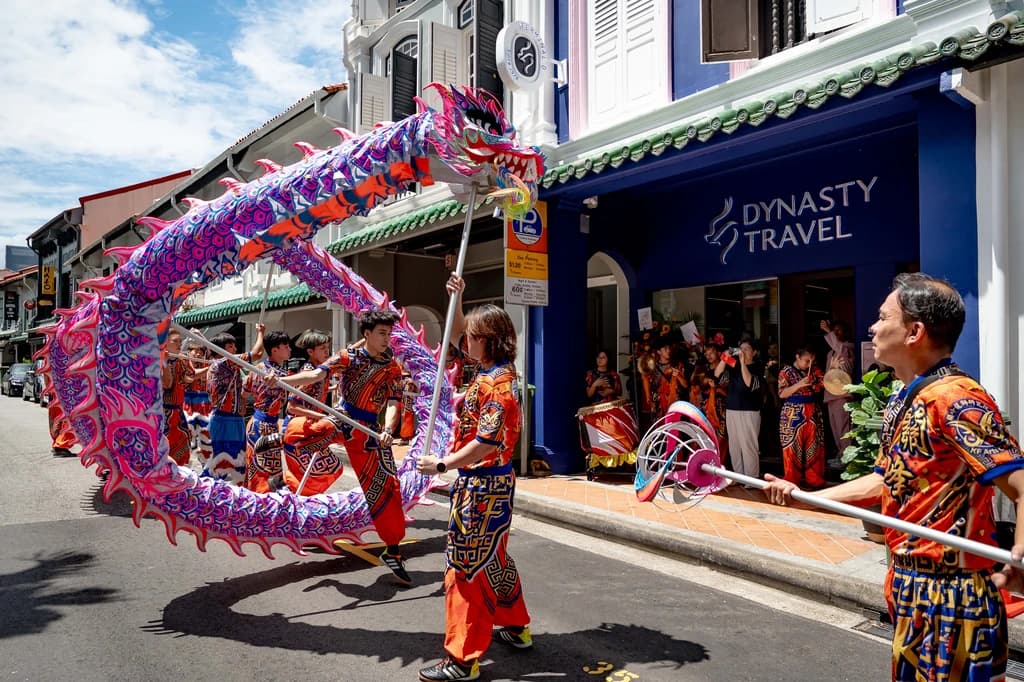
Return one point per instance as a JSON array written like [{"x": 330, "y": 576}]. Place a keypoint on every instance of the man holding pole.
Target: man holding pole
[
  {"x": 268, "y": 404},
  {"x": 370, "y": 378},
  {"x": 944, "y": 445},
  {"x": 227, "y": 423}
]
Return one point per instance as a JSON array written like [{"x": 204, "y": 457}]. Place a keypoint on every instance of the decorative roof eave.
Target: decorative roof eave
[
  {"x": 967, "y": 44},
  {"x": 284, "y": 298},
  {"x": 398, "y": 227}
]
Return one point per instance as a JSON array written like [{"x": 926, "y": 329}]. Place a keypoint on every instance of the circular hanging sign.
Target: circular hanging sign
[
  {"x": 522, "y": 57},
  {"x": 30, "y": 304}
]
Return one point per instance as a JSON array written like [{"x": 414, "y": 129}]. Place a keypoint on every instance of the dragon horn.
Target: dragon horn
[{"x": 344, "y": 133}]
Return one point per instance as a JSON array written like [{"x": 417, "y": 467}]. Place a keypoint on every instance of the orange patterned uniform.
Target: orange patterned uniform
[
  {"x": 367, "y": 384},
  {"x": 938, "y": 465},
  {"x": 482, "y": 587},
  {"x": 175, "y": 426}
]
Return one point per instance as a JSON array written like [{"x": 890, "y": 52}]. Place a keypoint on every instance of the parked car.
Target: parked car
[
  {"x": 34, "y": 385},
  {"x": 13, "y": 382}
]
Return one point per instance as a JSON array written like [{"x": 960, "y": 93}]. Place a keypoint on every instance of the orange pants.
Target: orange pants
[
  {"x": 374, "y": 466},
  {"x": 482, "y": 586},
  {"x": 60, "y": 430}
]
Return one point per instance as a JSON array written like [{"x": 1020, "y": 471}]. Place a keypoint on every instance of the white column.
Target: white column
[
  {"x": 993, "y": 239},
  {"x": 533, "y": 112},
  {"x": 1013, "y": 145}
]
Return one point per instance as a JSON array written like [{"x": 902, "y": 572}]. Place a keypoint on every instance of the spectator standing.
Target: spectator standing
[{"x": 743, "y": 400}]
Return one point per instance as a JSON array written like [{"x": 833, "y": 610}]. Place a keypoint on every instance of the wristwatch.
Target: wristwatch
[{"x": 441, "y": 467}]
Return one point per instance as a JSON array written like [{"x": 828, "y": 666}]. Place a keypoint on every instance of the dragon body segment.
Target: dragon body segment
[{"x": 103, "y": 355}]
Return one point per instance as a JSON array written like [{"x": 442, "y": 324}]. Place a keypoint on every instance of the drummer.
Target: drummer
[
  {"x": 603, "y": 384},
  {"x": 840, "y": 359}
]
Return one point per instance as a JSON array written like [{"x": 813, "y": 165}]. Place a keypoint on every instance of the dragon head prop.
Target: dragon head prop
[{"x": 473, "y": 135}]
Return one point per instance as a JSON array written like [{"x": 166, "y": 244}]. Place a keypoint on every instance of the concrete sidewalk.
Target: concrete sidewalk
[{"x": 816, "y": 552}]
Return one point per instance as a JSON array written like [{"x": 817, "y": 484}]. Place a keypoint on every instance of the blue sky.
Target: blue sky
[{"x": 99, "y": 94}]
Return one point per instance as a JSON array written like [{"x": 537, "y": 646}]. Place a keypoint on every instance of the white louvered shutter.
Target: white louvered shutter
[
  {"x": 628, "y": 58},
  {"x": 373, "y": 100},
  {"x": 646, "y": 53},
  {"x": 447, "y": 62},
  {"x": 604, "y": 60},
  {"x": 828, "y": 15}
]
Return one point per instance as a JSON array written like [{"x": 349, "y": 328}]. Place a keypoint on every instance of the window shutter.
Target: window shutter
[
  {"x": 645, "y": 53},
  {"x": 373, "y": 100},
  {"x": 628, "y": 58},
  {"x": 604, "y": 52},
  {"x": 729, "y": 30},
  {"x": 447, "y": 63},
  {"x": 828, "y": 15},
  {"x": 488, "y": 20},
  {"x": 403, "y": 85}
]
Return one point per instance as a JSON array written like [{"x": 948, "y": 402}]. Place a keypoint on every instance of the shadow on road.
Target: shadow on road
[
  {"x": 208, "y": 612},
  {"x": 28, "y": 597},
  {"x": 93, "y": 503}
]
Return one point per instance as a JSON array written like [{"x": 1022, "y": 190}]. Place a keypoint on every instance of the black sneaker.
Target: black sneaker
[
  {"x": 397, "y": 566},
  {"x": 522, "y": 640},
  {"x": 450, "y": 669}
]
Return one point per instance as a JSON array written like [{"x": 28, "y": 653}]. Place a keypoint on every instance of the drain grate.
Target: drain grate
[
  {"x": 1014, "y": 671},
  {"x": 875, "y": 629}
]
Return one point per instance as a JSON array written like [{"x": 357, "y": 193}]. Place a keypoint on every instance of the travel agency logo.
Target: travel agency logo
[{"x": 788, "y": 221}]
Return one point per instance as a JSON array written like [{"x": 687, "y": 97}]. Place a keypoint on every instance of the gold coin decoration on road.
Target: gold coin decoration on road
[
  {"x": 622, "y": 676},
  {"x": 600, "y": 668}
]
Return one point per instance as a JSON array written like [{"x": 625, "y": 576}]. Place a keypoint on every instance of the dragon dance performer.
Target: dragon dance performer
[
  {"x": 944, "y": 445},
  {"x": 370, "y": 378},
  {"x": 176, "y": 376},
  {"x": 269, "y": 403},
  {"x": 227, "y": 425},
  {"x": 801, "y": 429},
  {"x": 482, "y": 586},
  {"x": 61, "y": 436},
  {"x": 197, "y": 402},
  {"x": 667, "y": 383},
  {"x": 317, "y": 347}
]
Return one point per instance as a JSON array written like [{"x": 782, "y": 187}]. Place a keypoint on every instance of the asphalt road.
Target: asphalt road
[{"x": 85, "y": 595}]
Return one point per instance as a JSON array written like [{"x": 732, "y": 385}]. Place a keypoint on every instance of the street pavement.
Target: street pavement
[{"x": 84, "y": 595}]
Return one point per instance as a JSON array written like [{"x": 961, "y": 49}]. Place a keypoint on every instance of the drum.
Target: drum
[
  {"x": 608, "y": 433},
  {"x": 835, "y": 381}
]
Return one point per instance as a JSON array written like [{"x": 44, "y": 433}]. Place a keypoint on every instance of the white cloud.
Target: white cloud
[
  {"x": 97, "y": 96},
  {"x": 291, "y": 43}
]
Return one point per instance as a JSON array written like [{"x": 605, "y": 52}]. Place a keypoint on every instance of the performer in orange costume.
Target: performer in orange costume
[
  {"x": 177, "y": 375},
  {"x": 370, "y": 378},
  {"x": 801, "y": 429},
  {"x": 268, "y": 403},
  {"x": 482, "y": 587},
  {"x": 60, "y": 431},
  {"x": 944, "y": 447}
]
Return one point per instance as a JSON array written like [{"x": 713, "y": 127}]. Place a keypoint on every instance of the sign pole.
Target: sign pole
[{"x": 524, "y": 435}]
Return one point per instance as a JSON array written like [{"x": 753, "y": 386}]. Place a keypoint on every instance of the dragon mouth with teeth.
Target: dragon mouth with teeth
[{"x": 475, "y": 135}]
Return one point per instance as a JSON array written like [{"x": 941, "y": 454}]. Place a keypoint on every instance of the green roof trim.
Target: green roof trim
[
  {"x": 283, "y": 298},
  {"x": 968, "y": 44},
  {"x": 399, "y": 225}
]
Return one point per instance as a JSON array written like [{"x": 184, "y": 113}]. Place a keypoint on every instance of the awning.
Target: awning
[
  {"x": 969, "y": 45},
  {"x": 228, "y": 309}
]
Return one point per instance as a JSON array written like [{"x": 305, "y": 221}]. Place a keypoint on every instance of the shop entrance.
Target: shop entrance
[
  {"x": 608, "y": 314},
  {"x": 809, "y": 298}
]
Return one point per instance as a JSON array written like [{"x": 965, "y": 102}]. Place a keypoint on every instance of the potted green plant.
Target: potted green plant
[{"x": 866, "y": 409}]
